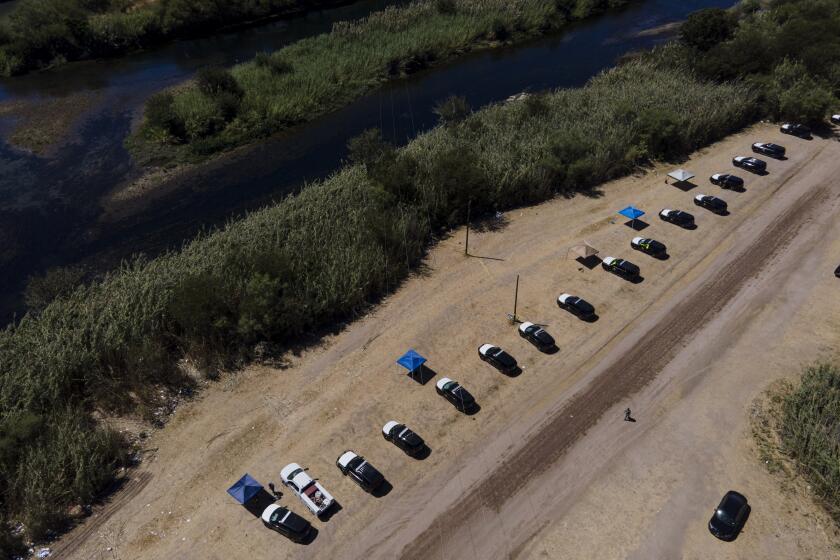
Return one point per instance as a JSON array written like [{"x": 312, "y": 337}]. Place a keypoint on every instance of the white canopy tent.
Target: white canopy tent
[{"x": 680, "y": 175}]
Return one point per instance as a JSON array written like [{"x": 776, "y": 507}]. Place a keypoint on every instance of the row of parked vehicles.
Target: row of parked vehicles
[{"x": 729, "y": 514}]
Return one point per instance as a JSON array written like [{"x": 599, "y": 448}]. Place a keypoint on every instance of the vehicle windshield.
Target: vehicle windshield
[{"x": 725, "y": 517}]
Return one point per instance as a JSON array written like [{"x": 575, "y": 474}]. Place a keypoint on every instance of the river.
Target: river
[{"x": 50, "y": 207}]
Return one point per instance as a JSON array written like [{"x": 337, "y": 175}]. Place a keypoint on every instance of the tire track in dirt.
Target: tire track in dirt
[
  {"x": 625, "y": 376},
  {"x": 74, "y": 540}
]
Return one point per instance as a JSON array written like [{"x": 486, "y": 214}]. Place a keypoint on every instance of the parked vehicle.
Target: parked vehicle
[
  {"x": 769, "y": 149},
  {"x": 649, "y": 246},
  {"x": 576, "y": 305},
  {"x": 835, "y": 119},
  {"x": 402, "y": 437},
  {"x": 713, "y": 203},
  {"x": 307, "y": 489},
  {"x": 727, "y": 181},
  {"x": 536, "y": 335},
  {"x": 360, "y": 471},
  {"x": 796, "y": 129},
  {"x": 729, "y": 516},
  {"x": 750, "y": 164},
  {"x": 497, "y": 358},
  {"x": 677, "y": 217},
  {"x": 285, "y": 522},
  {"x": 452, "y": 391},
  {"x": 620, "y": 267}
]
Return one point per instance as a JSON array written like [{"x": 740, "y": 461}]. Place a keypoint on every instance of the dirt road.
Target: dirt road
[{"x": 547, "y": 468}]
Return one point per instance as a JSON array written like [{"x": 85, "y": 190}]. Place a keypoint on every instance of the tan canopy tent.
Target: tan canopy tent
[
  {"x": 680, "y": 175},
  {"x": 584, "y": 250}
]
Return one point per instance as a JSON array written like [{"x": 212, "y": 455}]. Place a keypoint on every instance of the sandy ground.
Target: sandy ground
[{"x": 547, "y": 468}]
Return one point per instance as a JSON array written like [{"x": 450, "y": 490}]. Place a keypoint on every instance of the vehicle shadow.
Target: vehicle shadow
[
  {"x": 759, "y": 173},
  {"x": 591, "y": 319},
  {"x": 327, "y": 515},
  {"x": 736, "y": 189},
  {"x": 423, "y": 374},
  {"x": 550, "y": 350},
  {"x": 516, "y": 372},
  {"x": 662, "y": 256},
  {"x": 383, "y": 490},
  {"x": 636, "y": 279}
]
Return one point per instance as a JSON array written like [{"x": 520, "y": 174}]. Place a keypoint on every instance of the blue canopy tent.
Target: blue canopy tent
[
  {"x": 632, "y": 213},
  {"x": 412, "y": 361},
  {"x": 244, "y": 489}
]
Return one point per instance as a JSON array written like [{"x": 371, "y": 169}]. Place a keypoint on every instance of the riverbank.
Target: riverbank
[
  {"x": 312, "y": 77},
  {"x": 288, "y": 270},
  {"x": 49, "y": 33}
]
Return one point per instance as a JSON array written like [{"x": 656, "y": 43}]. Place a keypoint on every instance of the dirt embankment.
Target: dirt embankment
[{"x": 546, "y": 468}]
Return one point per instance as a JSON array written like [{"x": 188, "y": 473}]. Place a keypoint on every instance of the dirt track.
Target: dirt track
[{"x": 507, "y": 481}]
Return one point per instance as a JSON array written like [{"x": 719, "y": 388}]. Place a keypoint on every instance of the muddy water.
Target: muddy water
[{"x": 50, "y": 211}]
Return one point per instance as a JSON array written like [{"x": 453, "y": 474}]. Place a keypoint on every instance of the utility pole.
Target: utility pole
[
  {"x": 515, "y": 300},
  {"x": 467, "y": 243}
]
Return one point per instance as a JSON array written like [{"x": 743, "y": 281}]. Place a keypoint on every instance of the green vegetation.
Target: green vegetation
[
  {"x": 319, "y": 74},
  {"x": 41, "y": 33},
  {"x": 810, "y": 426},
  {"x": 317, "y": 258},
  {"x": 327, "y": 253},
  {"x": 790, "y": 53}
]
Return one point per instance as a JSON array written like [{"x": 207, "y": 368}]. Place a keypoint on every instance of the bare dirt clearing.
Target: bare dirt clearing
[{"x": 546, "y": 468}]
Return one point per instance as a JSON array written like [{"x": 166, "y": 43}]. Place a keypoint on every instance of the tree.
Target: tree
[{"x": 706, "y": 28}]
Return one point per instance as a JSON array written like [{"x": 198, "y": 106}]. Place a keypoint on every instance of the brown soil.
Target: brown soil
[{"x": 547, "y": 468}]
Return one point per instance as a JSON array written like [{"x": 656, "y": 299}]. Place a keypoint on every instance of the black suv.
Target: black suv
[
  {"x": 649, "y": 246},
  {"x": 360, "y": 471},
  {"x": 729, "y": 517},
  {"x": 727, "y": 181},
  {"x": 750, "y": 164},
  {"x": 577, "y": 306},
  {"x": 769, "y": 149},
  {"x": 795, "y": 129},
  {"x": 497, "y": 358},
  {"x": 537, "y": 336},
  {"x": 621, "y": 267},
  {"x": 460, "y": 398},
  {"x": 402, "y": 437},
  {"x": 713, "y": 203},
  {"x": 677, "y": 217},
  {"x": 286, "y": 523}
]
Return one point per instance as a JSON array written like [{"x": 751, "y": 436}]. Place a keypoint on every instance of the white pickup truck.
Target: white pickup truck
[{"x": 310, "y": 492}]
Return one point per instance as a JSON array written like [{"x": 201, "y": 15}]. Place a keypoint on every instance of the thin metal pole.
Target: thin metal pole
[
  {"x": 467, "y": 243},
  {"x": 516, "y": 298}
]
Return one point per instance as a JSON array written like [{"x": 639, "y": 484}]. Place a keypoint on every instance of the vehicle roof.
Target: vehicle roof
[
  {"x": 443, "y": 381},
  {"x": 562, "y": 297},
  {"x": 346, "y": 457},
  {"x": 288, "y": 469},
  {"x": 700, "y": 196},
  {"x": 389, "y": 426},
  {"x": 609, "y": 259},
  {"x": 486, "y": 347},
  {"x": 666, "y": 211},
  {"x": 638, "y": 239},
  {"x": 525, "y": 325},
  {"x": 266, "y": 514}
]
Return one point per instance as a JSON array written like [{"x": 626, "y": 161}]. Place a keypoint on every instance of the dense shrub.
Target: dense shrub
[
  {"x": 56, "y": 282},
  {"x": 453, "y": 109},
  {"x": 810, "y": 432},
  {"x": 39, "y": 33},
  {"x": 331, "y": 70},
  {"x": 790, "y": 52}
]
